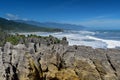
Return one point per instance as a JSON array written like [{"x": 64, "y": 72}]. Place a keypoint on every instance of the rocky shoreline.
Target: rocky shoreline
[{"x": 38, "y": 60}]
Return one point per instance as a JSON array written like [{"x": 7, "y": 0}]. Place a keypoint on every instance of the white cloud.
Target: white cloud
[
  {"x": 98, "y": 17},
  {"x": 12, "y": 16},
  {"x": 101, "y": 22}
]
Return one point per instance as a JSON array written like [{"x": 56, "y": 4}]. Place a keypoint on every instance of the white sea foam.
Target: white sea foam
[
  {"x": 82, "y": 38},
  {"x": 82, "y": 32},
  {"x": 110, "y": 43}
]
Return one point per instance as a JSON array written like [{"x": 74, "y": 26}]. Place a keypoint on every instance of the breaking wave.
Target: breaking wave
[{"x": 86, "y": 38}]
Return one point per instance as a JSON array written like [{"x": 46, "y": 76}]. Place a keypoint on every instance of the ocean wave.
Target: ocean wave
[
  {"x": 82, "y": 32},
  {"x": 85, "y": 38},
  {"x": 110, "y": 43}
]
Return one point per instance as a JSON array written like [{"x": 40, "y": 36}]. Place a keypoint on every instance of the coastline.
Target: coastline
[
  {"x": 36, "y": 60},
  {"x": 83, "y": 38}
]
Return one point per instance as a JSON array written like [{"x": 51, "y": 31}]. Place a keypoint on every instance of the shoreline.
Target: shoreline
[
  {"x": 51, "y": 58},
  {"x": 58, "y": 61},
  {"x": 100, "y": 43}
]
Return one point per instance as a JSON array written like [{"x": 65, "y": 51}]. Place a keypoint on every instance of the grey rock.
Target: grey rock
[{"x": 36, "y": 60}]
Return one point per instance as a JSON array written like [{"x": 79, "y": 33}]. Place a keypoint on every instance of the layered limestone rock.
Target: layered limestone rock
[
  {"x": 39, "y": 61},
  {"x": 85, "y": 62},
  {"x": 19, "y": 63}
]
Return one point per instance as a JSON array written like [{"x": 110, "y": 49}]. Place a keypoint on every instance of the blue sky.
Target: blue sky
[{"x": 91, "y": 13}]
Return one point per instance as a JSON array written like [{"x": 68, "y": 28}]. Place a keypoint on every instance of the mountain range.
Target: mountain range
[
  {"x": 64, "y": 26},
  {"x": 10, "y": 25},
  {"x": 33, "y": 26}
]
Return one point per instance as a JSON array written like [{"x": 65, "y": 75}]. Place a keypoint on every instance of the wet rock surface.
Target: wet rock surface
[{"x": 39, "y": 61}]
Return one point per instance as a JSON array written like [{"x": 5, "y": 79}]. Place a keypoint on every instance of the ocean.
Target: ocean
[{"x": 93, "y": 38}]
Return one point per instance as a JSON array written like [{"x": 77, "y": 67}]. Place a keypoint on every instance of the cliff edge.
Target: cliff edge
[{"x": 36, "y": 60}]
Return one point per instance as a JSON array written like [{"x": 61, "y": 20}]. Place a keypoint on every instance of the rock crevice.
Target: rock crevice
[{"x": 58, "y": 62}]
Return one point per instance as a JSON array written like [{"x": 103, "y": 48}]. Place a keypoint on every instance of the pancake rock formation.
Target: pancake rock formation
[{"x": 40, "y": 61}]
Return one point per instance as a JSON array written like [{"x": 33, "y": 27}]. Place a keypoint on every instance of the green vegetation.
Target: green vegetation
[
  {"x": 13, "y": 39},
  {"x": 34, "y": 36},
  {"x": 9, "y": 25},
  {"x": 54, "y": 40},
  {"x": 16, "y": 38}
]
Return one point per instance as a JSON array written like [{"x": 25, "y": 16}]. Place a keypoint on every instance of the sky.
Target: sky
[{"x": 90, "y": 13}]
